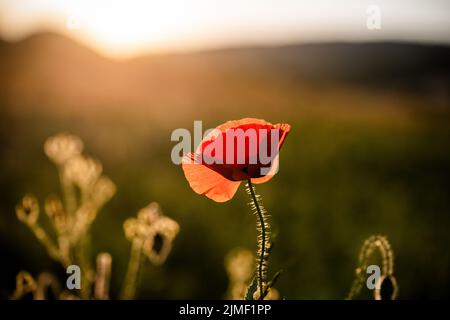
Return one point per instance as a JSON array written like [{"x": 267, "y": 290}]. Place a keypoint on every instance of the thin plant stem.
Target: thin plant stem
[
  {"x": 103, "y": 276},
  {"x": 82, "y": 255},
  {"x": 263, "y": 238},
  {"x": 51, "y": 248},
  {"x": 68, "y": 194},
  {"x": 129, "y": 289}
]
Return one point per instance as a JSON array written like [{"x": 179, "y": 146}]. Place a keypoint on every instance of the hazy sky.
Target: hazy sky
[{"x": 130, "y": 27}]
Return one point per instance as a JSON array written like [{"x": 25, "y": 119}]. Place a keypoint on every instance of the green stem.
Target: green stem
[{"x": 263, "y": 233}]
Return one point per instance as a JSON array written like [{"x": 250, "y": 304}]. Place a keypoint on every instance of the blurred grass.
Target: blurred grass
[{"x": 356, "y": 163}]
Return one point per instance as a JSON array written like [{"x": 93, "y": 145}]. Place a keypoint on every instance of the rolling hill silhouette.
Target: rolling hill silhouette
[{"x": 51, "y": 71}]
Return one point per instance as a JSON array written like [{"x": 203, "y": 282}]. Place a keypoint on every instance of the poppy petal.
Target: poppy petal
[
  {"x": 246, "y": 121},
  {"x": 272, "y": 171},
  {"x": 207, "y": 182},
  {"x": 285, "y": 129}
]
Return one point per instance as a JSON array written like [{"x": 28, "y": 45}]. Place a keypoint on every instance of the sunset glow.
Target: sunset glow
[{"x": 128, "y": 28}]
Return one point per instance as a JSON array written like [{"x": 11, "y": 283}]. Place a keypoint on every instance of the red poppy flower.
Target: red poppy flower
[{"x": 235, "y": 151}]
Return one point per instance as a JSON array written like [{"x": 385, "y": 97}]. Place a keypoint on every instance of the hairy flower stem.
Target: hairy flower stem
[
  {"x": 263, "y": 239},
  {"x": 129, "y": 289}
]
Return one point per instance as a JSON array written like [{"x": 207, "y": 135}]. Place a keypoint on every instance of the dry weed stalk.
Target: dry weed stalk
[
  {"x": 151, "y": 234},
  {"x": 84, "y": 192}
]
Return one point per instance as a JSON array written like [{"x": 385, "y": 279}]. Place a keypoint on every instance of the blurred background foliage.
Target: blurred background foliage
[{"x": 368, "y": 154}]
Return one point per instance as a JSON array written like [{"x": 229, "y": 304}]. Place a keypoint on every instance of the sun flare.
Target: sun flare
[{"x": 126, "y": 27}]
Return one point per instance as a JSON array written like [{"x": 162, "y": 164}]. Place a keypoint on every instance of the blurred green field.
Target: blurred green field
[
  {"x": 361, "y": 159},
  {"x": 343, "y": 176}
]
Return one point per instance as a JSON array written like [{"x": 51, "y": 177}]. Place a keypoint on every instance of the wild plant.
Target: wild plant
[
  {"x": 219, "y": 179},
  {"x": 84, "y": 193},
  {"x": 386, "y": 287}
]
